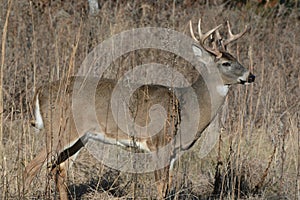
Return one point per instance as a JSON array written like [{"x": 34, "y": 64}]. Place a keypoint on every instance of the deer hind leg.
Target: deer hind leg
[
  {"x": 33, "y": 168},
  {"x": 60, "y": 166},
  {"x": 60, "y": 175}
]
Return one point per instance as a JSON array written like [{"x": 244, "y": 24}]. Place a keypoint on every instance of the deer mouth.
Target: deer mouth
[
  {"x": 242, "y": 81},
  {"x": 250, "y": 79}
]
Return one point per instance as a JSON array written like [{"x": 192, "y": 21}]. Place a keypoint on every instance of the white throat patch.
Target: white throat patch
[{"x": 222, "y": 90}]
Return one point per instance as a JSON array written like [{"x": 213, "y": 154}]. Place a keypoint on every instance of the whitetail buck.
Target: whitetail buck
[{"x": 64, "y": 141}]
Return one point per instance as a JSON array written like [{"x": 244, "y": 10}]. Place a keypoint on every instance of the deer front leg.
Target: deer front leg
[{"x": 162, "y": 182}]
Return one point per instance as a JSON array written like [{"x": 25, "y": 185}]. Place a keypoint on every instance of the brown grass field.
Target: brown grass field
[{"x": 259, "y": 125}]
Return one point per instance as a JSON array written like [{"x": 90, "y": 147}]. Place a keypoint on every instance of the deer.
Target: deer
[{"x": 64, "y": 141}]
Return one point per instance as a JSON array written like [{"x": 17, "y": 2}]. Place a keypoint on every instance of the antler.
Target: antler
[
  {"x": 204, "y": 36},
  {"x": 218, "y": 43},
  {"x": 233, "y": 37}
]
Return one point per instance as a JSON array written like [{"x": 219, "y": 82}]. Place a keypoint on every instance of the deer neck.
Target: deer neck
[{"x": 209, "y": 100}]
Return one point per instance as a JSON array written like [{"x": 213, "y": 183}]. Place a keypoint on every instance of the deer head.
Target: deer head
[{"x": 231, "y": 70}]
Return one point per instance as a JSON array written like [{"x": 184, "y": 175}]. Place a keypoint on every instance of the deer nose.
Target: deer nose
[{"x": 251, "y": 78}]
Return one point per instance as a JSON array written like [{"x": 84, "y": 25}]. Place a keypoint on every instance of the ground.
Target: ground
[{"x": 257, "y": 153}]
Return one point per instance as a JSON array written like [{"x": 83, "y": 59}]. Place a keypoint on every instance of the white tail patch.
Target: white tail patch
[{"x": 39, "y": 124}]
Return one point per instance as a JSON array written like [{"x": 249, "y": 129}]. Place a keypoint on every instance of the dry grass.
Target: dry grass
[{"x": 259, "y": 144}]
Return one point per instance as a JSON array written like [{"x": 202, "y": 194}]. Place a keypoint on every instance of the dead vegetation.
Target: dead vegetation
[{"x": 257, "y": 156}]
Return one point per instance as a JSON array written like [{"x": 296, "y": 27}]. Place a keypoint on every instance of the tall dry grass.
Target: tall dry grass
[{"x": 257, "y": 156}]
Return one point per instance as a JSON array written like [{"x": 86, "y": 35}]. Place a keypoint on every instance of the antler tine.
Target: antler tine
[
  {"x": 218, "y": 35},
  {"x": 202, "y": 36},
  {"x": 233, "y": 37},
  {"x": 218, "y": 43},
  {"x": 192, "y": 32}
]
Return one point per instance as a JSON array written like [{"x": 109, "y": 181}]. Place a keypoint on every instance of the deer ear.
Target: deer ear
[{"x": 197, "y": 51}]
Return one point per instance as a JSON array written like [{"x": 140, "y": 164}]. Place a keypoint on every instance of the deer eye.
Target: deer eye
[{"x": 226, "y": 64}]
